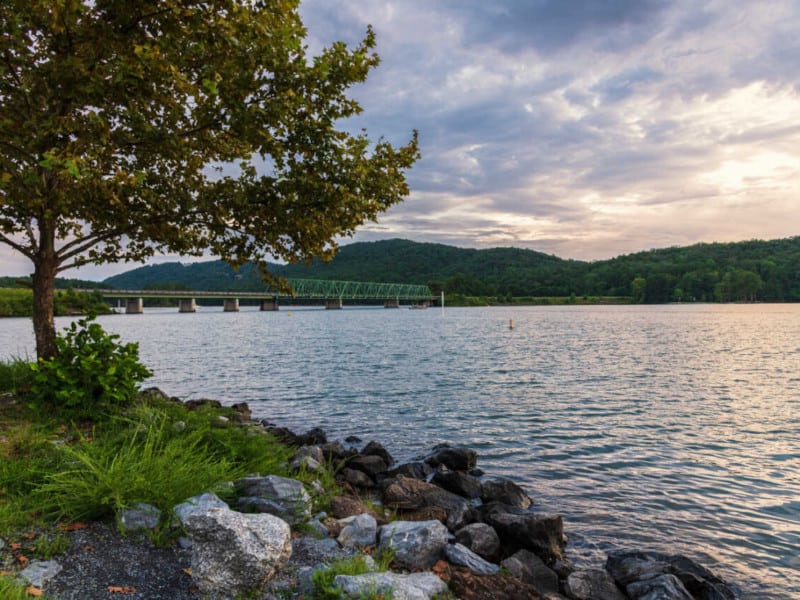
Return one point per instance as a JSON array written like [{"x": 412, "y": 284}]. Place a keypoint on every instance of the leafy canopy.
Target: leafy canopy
[{"x": 128, "y": 128}]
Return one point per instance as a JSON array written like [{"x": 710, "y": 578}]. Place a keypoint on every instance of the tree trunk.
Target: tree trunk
[{"x": 44, "y": 285}]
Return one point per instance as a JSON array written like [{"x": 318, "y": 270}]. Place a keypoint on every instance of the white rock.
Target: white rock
[
  {"x": 39, "y": 572},
  {"x": 414, "y": 586},
  {"x": 358, "y": 531},
  {"x": 416, "y": 544}
]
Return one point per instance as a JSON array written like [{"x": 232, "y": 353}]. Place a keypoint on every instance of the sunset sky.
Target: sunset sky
[{"x": 578, "y": 128}]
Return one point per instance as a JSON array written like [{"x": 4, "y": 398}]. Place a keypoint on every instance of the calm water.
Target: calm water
[{"x": 673, "y": 428}]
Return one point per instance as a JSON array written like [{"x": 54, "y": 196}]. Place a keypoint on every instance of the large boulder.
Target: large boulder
[
  {"x": 376, "y": 449},
  {"x": 407, "y": 494},
  {"x": 372, "y": 465},
  {"x": 415, "y": 470},
  {"x": 233, "y": 553},
  {"x": 464, "y": 557},
  {"x": 592, "y": 584},
  {"x": 519, "y": 529},
  {"x": 463, "y": 484},
  {"x": 414, "y": 586},
  {"x": 455, "y": 459},
  {"x": 481, "y": 538},
  {"x": 468, "y": 585},
  {"x": 629, "y": 567},
  {"x": 528, "y": 567},
  {"x": 288, "y": 493},
  {"x": 416, "y": 544},
  {"x": 505, "y": 491},
  {"x": 663, "y": 587}
]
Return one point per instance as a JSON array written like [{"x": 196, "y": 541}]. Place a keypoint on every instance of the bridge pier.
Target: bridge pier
[
  {"x": 391, "y": 303},
  {"x": 333, "y": 303},
  {"x": 230, "y": 305},
  {"x": 187, "y": 305},
  {"x": 134, "y": 306},
  {"x": 269, "y": 304}
]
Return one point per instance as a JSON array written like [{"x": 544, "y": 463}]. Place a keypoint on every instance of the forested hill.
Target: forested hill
[{"x": 753, "y": 270}]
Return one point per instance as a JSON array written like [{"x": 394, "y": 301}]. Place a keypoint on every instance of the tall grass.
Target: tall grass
[{"x": 15, "y": 375}]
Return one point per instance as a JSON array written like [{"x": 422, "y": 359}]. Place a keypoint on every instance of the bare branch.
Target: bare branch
[{"x": 16, "y": 246}]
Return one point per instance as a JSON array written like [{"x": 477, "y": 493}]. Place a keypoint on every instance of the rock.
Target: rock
[
  {"x": 417, "y": 545},
  {"x": 234, "y": 553},
  {"x": 428, "y": 513},
  {"x": 314, "y": 452},
  {"x": 414, "y": 470},
  {"x": 357, "y": 478},
  {"x": 502, "y": 489},
  {"x": 413, "y": 494},
  {"x": 318, "y": 528},
  {"x": 347, "y": 506},
  {"x": 287, "y": 436},
  {"x": 472, "y": 586},
  {"x": 313, "y": 437},
  {"x": 39, "y": 572},
  {"x": 202, "y": 403},
  {"x": 464, "y": 557},
  {"x": 254, "y": 504},
  {"x": 376, "y": 449},
  {"x": 592, "y": 584},
  {"x": 528, "y": 567},
  {"x": 309, "y": 458},
  {"x": 203, "y": 502},
  {"x": 663, "y": 587},
  {"x": 458, "y": 483},
  {"x": 335, "y": 451},
  {"x": 455, "y": 459},
  {"x": 358, "y": 532},
  {"x": 242, "y": 411},
  {"x": 140, "y": 517},
  {"x": 371, "y": 465},
  {"x": 627, "y": 567},
  {"x": 413, "y": 586},
  {"x": 287, "y": 492},
  {"x": 481, "y": 538},
  {"x": 518, "y": 529}
]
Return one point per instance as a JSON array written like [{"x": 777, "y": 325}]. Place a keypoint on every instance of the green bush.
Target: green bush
[{"x": 91, "y": 374}]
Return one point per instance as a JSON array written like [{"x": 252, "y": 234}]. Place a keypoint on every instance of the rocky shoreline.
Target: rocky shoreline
[{"x": 447, "y": 525}]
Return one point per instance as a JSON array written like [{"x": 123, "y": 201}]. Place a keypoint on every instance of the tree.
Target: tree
[
  {"x": 638, "y": 289},
  {"x": 184, "y": 126}
]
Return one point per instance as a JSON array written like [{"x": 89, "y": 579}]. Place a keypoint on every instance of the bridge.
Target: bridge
[{"x": 331, "y": 293}]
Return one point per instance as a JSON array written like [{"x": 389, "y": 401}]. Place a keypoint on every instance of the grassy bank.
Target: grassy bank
[{"x": 18, "y": 302}]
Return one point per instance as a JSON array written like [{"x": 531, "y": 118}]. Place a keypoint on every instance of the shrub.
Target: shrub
[{"x": 92, "y": 373}]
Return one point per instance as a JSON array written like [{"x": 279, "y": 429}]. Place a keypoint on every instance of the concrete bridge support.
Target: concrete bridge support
[
  {"x": 230, "y": 305},
  {"x": 187, "y": 305},
  {"x": 391, "y": 303},
  {"x": 333, "y": 303},
  {"x": 269, "y": 304},
  {"x": 134, "y": 306}
]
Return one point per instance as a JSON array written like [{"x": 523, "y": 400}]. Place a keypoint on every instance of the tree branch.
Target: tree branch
[{"x": 16, "y": 246}]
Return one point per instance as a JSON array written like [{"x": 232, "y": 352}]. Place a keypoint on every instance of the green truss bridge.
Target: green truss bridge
[{"x": 328, "y": 292}]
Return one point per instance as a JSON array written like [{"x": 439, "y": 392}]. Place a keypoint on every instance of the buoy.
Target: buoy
[
  {"x": 289, "y": 314},
  {"x": 511, "y": 323}
]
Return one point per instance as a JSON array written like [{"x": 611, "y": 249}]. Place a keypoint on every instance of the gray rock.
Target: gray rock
[
  {"x": 464, "y": 557},
  {"x": 527, "y": 567},
  {"x": 39, "y": 572},
  {"x": 203, "y": 502},
  {"x": 416, "y": 544},
  {"x": 376, "y": 449},
  {"x": 542, "y": 534},
  {"x": 319, "y": 529},
  {"x": 627, "y": 567},
  {"x": 502, "y": 489},
  {"x": 415, "y": 470},
  {"x": 358, "y": 531},
  {"x": 481, "y": 538},
  {"x": 305, "y": 463},
  {"x": 592, "y": 584},
  {"x": 357, "y": 478},
  {"x": 459, "y": 483},
  {"x": 413, "y": 494},
  {"x": 140, "y": 517},
  {"x": 288, "y": 492},
  {"x": 663, "y": 587},
  {"x": 372, "y": 465},
  {"x": 255, "y": 504},
  {"x": 234, "y": 553},
  {"x": 414, "y": 586},
  {"x": 455, "y": 459}
]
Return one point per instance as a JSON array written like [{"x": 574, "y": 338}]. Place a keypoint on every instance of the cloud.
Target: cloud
[{"x": 585, "y": 129}]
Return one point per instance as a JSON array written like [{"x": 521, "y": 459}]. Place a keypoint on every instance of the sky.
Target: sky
[{"x": 579, "y": 128}]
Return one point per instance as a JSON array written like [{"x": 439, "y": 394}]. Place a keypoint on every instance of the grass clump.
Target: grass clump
[
  {"x": 322, "y": 579},
  {"x": 12, "y": 589},
  {"x": 15, "y": 375}
]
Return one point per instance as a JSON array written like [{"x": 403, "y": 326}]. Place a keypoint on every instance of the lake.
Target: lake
[{"x": 672, "y": 428}]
